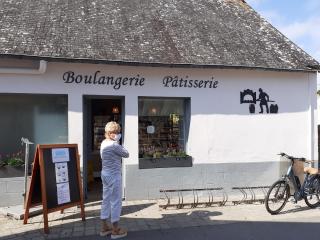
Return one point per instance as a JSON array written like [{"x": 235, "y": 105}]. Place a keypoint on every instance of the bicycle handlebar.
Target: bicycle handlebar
[{"x": 292, "y": 158}]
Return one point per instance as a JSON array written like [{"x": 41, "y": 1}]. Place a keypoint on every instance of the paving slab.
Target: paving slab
[{"x": 146, "y": 216}]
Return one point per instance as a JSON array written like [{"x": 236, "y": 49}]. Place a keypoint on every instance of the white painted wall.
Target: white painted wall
[{"x": 222, "y": 130}]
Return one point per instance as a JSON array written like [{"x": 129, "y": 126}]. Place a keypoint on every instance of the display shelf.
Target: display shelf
[
  {"x": 99, "y": 123},
  {"x": 168, "y": 135}
]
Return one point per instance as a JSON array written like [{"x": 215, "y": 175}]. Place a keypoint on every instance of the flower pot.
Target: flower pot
[
  {"x": 165, "y": 162},
  {"x": 10, "y": 171}
]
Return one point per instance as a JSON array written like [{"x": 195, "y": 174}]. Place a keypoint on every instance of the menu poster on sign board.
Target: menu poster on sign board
[
  {"x": 63, "y": 193},
  {"x": 55, "y": 181},
  {"x": 60, "y": 155},
  {"x": 61, "y": 172},
  {"x": 60, "y": 158}
]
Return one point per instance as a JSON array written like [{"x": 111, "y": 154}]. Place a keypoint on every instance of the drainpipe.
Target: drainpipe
[{"x": 42, "y": 69}]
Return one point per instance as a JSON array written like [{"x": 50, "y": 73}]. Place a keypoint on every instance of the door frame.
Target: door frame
[{"x": 87, "y": 120}]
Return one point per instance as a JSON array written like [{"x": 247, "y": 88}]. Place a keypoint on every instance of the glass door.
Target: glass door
[{"x": 98, "y": 111}]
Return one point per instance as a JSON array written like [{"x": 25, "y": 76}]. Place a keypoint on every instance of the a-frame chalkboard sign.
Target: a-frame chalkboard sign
[{"x": 55, "y": 181}]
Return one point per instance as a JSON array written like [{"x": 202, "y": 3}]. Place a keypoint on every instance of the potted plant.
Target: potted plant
[
  {"x": 172, "y": 158},
  {"x": 3, "y": 162}
]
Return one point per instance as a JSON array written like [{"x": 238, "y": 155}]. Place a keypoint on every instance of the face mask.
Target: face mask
[{"x": 117, "y": 137}]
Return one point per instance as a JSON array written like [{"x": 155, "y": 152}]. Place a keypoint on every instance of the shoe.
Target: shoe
[
  {"x": 105, "y": 229},
  {"x": 118, "y": 233},
  {"x": 105, "y": 232},
  {"x": 292, "y": 200}
]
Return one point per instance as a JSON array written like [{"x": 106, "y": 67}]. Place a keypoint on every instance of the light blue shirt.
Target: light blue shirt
[{"x": 111, "y": 153}]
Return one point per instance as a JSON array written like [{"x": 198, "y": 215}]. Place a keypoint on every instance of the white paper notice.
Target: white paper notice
[
  {"x": 62, "y": 172},
  {"x": 63, "y": 193},
  {"x": 60, "y": 155}
]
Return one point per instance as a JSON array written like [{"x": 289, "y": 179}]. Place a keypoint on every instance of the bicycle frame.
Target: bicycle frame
[
  {"x": 299, "y": 192},
  {"x": 291, "y": 177}
]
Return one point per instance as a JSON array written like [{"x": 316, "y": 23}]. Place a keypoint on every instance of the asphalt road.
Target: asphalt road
[{"x": 233, "y": 231}]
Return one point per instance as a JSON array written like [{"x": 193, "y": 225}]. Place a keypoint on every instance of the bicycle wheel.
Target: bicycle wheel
[
  {"x": 277, "y": 197},
  {"x": 312, "y": 200}
]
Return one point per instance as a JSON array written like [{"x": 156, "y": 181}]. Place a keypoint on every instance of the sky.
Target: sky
[{"x": 299, "y": 20}]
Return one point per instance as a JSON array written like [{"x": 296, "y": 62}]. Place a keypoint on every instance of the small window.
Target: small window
[
  {"x": 43, "y": 119},
  {"x": 163, "y": 127}
]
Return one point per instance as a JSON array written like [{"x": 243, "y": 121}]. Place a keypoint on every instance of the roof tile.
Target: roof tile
[{"x": 198, "y": 32}]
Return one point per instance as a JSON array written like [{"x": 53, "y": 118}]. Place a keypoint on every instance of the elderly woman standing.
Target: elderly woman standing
[{"x": 111, "y": 153}]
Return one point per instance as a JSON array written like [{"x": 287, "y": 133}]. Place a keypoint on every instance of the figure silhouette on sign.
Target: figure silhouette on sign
[
  {"x": 249, "y": 96},
  {"x": 264, "y": 99}
]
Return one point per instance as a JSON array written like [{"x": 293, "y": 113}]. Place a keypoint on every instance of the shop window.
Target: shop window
[
  {"x": 163, "y": 131},
  {"x": 43, "y": 119}
]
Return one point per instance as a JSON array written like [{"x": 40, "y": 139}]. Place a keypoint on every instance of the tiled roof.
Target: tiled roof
[{"x": 225, "y": 33}]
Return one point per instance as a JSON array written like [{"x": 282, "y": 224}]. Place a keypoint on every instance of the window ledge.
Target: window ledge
[
  {"x": 11, "y": 171},
  {"x": 165, "y": 162}
]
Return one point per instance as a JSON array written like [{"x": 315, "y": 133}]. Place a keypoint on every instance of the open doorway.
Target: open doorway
[{"x": 97, "y": 112}]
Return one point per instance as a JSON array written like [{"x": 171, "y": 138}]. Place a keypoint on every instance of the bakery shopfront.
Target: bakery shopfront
[
  {"x": 192, "y": 115},
  {"x": 183, "y": 127}
]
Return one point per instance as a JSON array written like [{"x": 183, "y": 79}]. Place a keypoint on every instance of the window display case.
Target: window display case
[
  {"x": 166, "y": 139},
  {"x": 162, "y": 133}
]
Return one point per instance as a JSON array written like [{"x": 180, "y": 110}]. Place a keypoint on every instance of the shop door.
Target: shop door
[{"x": 97, "y": 112}]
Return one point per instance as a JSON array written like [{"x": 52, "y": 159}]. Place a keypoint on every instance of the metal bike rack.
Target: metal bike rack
[
  {"x": 195, "y": 194},
  {"x": 249, "y": 194}
]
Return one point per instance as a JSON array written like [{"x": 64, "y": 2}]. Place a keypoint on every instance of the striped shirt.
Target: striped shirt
[{"x": 111, "y": 153}]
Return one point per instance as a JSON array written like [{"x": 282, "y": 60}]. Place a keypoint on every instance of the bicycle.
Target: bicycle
[{"x": 279, "y": 193}]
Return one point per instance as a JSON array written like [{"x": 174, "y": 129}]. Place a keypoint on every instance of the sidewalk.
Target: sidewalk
[{"x": 146, "y": 215}]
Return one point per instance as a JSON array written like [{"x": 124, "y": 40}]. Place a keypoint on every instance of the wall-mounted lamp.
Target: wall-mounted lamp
[
  {"x": 153, "y": 110},
  {"x": 115, "y": 110}
]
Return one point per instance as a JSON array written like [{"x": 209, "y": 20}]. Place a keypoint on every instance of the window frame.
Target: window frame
[{"x": 174, "y": 161}]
